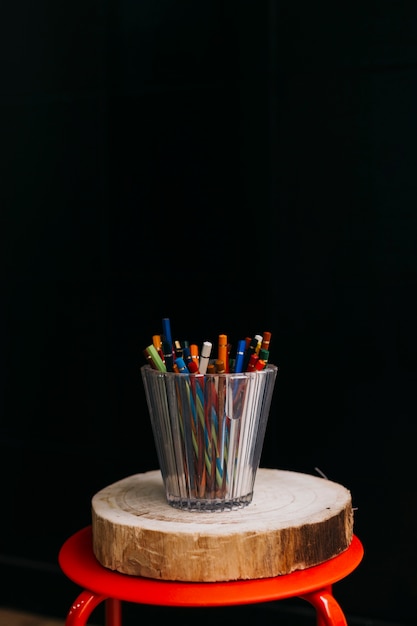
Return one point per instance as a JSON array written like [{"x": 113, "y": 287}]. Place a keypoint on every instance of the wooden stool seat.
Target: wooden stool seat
[
  {"x": 100, "y": 584},
  {"x": 295, "y": 521}
]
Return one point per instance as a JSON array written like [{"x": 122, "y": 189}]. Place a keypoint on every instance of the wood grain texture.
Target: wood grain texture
[{"x": 294, "y": 521}]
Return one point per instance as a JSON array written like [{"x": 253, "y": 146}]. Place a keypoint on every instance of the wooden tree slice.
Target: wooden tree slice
[{"x": 294, "y": 521}]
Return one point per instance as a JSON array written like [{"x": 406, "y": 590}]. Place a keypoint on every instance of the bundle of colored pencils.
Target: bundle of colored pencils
[{"x": 166, "y": 355}]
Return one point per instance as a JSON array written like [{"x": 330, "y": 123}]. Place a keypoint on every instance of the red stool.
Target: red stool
[{"x": 314, "y": 584}]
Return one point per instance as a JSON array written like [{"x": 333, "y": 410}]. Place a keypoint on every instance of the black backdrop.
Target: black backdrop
[{"x": 237, "y": 167}]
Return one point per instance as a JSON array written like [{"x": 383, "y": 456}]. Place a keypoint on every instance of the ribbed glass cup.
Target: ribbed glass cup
[{"x": 209, "y": 432}]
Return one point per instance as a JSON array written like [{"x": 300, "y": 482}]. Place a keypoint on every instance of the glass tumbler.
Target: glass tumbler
[{"x": 209, "y": 431}]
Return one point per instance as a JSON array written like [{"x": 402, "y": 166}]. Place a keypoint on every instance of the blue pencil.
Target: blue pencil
[{"x": 166, "y": 330}]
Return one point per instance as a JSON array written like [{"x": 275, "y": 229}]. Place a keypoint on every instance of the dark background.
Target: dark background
[{"x": 237, "y": 167}]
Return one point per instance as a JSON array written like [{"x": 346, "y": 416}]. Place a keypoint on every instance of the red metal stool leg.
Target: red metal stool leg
[
  {"x": 113, "y": 612},
  {"x": 328, "y": 611},
  {"x": 82, "y": 608}
]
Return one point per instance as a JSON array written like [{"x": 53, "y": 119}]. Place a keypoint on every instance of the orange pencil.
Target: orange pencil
[
  {"x": 222, "y": 352},
  {"x": 219, "y": 365},
  {"x": 266, "y": 338},
  {"x": 157, "y": 343},
  {"x": 194, "y": 354}
]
